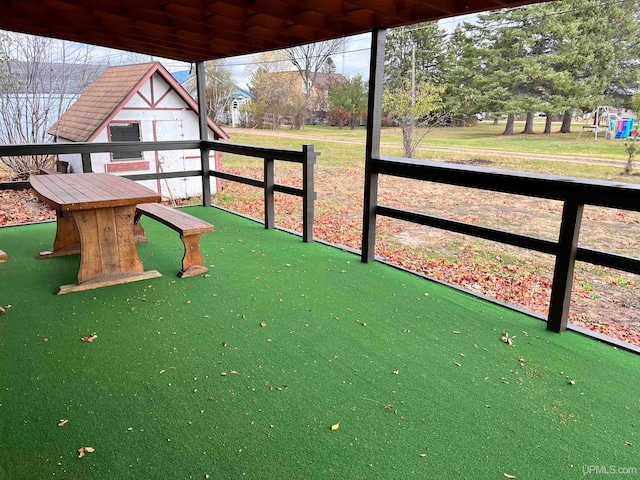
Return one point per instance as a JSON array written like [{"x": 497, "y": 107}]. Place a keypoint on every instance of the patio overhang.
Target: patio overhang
[{"x": 199, "y": 30}]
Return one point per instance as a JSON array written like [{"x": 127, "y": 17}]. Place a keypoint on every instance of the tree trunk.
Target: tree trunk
[
  {"x": 566, "y": 122},
  {"x": 528, "y": 124},
  {"x": 508, "y": 129},
  {"x": 407, "y": 139},
  {"x": 547, "y": 124}
]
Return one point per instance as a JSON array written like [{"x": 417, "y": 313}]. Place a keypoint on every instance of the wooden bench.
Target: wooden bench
[
  {"x": 189, "y": 227},
  {"x": 61, "y": 167}
]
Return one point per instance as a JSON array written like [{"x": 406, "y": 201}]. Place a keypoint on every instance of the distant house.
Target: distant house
[
  {"x": 232, "y": 115},
  {"x": 138, "y": 103},
  {"x": 240, "y": 97},
  {"x": 36, "y": 93},
  {"x": 320, "y": 93}
]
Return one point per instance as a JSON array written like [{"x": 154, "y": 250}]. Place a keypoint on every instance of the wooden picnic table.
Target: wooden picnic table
[{"x": 95, "y": 213}]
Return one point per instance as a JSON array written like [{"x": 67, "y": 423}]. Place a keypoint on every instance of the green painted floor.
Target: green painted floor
[{"x": 242, "y": 372}]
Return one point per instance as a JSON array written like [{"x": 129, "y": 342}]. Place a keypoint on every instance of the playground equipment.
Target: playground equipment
[
  {"x": 612, "y": 125},
  {"x": 621, "y": 127}
]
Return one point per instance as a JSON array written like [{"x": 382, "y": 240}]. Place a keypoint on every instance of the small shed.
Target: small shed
[{"x": 140, "y": 102}]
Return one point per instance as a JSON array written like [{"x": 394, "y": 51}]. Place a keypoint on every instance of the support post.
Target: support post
[
  {"x": 308, "y": 192},
  {"x": 86, "y": 163},
  {"x": 269, "y": 183},
  {"x": 374, "y": 120},
  {"x": 204, "y": 133},
  {"x": 560, "y": 302}
]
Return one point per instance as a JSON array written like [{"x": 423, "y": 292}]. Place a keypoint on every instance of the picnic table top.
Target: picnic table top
[{"x": 84, "y": 191}]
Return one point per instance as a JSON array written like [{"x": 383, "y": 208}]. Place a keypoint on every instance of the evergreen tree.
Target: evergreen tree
[
  {"x": 350, "y": 97},
  {"x": 415, "y": 52}
]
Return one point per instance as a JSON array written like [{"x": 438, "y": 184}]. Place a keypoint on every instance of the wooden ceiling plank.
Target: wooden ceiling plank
[
  {"x": 208, "y": 29},
  {"x": 177, "y": 16}
]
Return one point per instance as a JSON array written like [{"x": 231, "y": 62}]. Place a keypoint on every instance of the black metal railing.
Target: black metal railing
[
  {"x": 575, "y": 193},
  {"x": 306, "y": 157}
]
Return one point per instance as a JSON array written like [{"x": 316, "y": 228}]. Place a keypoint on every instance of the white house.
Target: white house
[{"x": 138, "y": 103}]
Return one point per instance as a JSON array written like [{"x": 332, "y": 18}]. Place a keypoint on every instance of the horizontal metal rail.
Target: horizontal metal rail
[
  {"x": 575, "y": 193},
  {"x": 85, "y": 147},
  {"x": 620, "y": 195}
]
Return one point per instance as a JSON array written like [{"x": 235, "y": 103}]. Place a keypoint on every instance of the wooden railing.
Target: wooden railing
[
  {"x": 306, "y": 157},
  {"x": 573, "y": 192}
]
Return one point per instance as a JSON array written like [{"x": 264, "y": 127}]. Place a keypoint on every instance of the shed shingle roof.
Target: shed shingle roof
[{"x": 106, "y": 96}]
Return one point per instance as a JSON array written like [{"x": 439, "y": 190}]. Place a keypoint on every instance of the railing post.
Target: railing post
[
  {"x": 560, "y": 301},
  {"x": 86, "y": 163},
  {"x": 308, "y": 192},
  {"x": 269, "y": 184},
  {"x": 204, "y": 133},
  {"x": 372, "y": 149}
]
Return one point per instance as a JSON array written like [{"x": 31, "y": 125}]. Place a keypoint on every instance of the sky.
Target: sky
[{"x": 354, "y": 60}]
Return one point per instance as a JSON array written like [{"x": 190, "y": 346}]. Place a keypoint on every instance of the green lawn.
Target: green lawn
[
  {"x": 485, "y": 135},
  {"x": 345, "y": 148}
]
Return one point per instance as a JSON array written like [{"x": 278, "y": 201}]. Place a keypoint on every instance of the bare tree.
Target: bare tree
[
  {"x": 312, "y": 58},
  {"x": 274, "y": 86},
  {"x": 40, "y": 77},
  {"x": 219, "y": 90}
]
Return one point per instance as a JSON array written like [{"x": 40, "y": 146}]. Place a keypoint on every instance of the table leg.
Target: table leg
[
  {"x": 108, "y": 249},
  {"x": 67, "y": 241}
]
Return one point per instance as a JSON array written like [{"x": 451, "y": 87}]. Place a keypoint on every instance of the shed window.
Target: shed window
[{"x": 125, "y": 133}]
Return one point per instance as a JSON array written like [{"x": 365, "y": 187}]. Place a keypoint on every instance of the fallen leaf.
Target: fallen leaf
[
  {"x": 388, "y": 407},
  {"x": 63, "y": 421},
  {"x": 233, "y": 372},
  {"x": 396, "y": 372},
  {"x": 335, "y": 426},
  {"x": 506, "y": 475},
  {"x": 82, "y": 450},
  {"x": 456, "y": 364},
  {"x": 422, "y": 455},
  {"x": 507, "y": 339},
  {"x": 90, "y": 338},
  {"x": 263, "y": 324}
]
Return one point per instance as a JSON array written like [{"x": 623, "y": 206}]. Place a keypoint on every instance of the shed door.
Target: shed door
[{"x": 170, "y": 160}]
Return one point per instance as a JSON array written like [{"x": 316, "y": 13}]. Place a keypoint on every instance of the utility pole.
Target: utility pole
[{"x": 413, "y": 74}]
